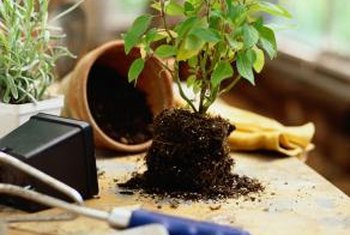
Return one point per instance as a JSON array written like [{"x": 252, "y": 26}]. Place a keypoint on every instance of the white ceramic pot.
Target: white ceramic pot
[{"x": 14, "y": 115}]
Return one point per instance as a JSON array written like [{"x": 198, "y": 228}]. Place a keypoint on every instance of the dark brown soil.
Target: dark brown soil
[
  {"x": 119, "y": 108},
  {"x": 189, "y": 159}
]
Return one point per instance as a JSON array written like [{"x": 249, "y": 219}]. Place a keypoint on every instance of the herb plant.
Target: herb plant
[
  {"x": 218, "y": 40},
  {"x": 29, "y": 48}
]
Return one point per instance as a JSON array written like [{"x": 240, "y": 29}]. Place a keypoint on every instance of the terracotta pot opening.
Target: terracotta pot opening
[
  {"x": 112, "y": 59},
  {"x": 119, "y": 108}
]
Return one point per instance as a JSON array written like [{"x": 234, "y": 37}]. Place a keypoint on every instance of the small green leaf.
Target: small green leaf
[
  {"x": 197, "y": 86},
  {"x": 234, "y": 44},
  {"x": 138, "y": 28},
  {"x": 189, "y": 48},
  {"x": 208, "y": 35},
  {"x": 13, "y": 87},
  {"x": 250, "y": 36},
  {"x": 188, "y": 7},
  {"x": 165, "y": 51},
  {"x": 268, "y": 41},
  {"x": 259, "y": 23},
  {"x": 238, "y": 14},
  {"x": 156, "y": 6},
  {"x": 193, "y": 43},
  {"x": 259, "y": 60},
  {"x": 251, "y": 56},
  {"x": 191, "y": 80},
  {"x": 185, "y": 26},
  {"x": 229, "y": 7},
  {"x": 153, "y": 35},
  {"x": 215, "y": 21},
  {"x": 174, "y": 9},
  {"x": 135, "y": 69},
  {"x": 222, "y": 71},
  {"x": 193, "y": 61},
  {"x": 271, "y": 9},
  {"x": 244, "y": 67}
]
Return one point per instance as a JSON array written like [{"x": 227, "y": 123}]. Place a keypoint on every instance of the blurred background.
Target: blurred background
[{"x": 309, "y": 80}]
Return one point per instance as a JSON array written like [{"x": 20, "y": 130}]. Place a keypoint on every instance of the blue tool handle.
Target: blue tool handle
[{"x": 181, "y": 226}]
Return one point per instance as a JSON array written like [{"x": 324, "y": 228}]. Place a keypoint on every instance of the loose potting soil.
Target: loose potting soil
[
  {"x": 118, "y": 107},
  {"x": 190, "y": 159}
]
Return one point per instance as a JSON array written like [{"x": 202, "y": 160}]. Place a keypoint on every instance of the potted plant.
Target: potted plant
[
  {"x": 29, "y": 49},
  {"x": 219, "y": 43}
]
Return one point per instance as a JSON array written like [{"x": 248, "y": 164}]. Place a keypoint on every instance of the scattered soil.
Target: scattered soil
[
  {"x": 189, "y": 159},
  {"x": 118, "y": 107}
]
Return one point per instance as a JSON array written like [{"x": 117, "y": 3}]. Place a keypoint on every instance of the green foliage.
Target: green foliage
[
  {"x": 29, "y": 49},
  {"x": 219, "y": 40},
  {"x": 136, "y": 69}
]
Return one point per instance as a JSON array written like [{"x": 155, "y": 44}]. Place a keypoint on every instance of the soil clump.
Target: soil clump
[{"x": 190, "y": 159}]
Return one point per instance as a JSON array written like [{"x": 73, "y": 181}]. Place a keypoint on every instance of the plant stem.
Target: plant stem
[
  {"x": 181, "y": 91},
  {"x": 175, "y": 76},
  {"x": 203, "y": 61},
  {"x": 205, "y": 81},
  {"x": 165, "y": 23},
  {"x": 231, "y": 85}
]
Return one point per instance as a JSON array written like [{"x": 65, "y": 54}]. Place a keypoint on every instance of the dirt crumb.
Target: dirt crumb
[{"x": 215, "y": 207}]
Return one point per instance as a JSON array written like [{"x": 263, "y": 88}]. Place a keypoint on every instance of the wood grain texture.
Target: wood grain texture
[{"x": 296, "y": 201}]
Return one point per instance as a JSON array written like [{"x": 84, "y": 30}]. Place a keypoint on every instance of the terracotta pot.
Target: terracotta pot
[{"x": 158, "y": 90}]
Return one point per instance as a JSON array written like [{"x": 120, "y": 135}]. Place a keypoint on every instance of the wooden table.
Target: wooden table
[{"x": 296, "y": 201}]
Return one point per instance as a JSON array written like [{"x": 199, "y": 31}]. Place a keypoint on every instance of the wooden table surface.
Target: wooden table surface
[{"x": 296, "y": 201}]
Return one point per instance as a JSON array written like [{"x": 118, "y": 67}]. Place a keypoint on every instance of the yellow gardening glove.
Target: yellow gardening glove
[{"x": 254, "y": 132}]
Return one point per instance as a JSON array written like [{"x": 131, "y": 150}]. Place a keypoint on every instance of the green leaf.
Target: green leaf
[
  {"x": 221, "y": 48},
  {"x": 271, "y": 9},
  {"x": 191, "y": 80},
  {"x": 222, "y": 71},
  {"x": 259, "y": 23},
  {"x": 234, "y": 44},
  {"x": 238, "y": 14},
  {"x": 11, "y": 86},
  {"x": 134, "y": 34},
  {"x": 135, "y": 69},
  {"x": 250, "y": 36},
  {"x": 174, "y": 9},
  {"x": 153, "y": 35},
  {"x": 208, "y": 35},
  {"x": 244, "y": 67},
  {"x": 189, "y": 48},
  {"x": 215, "y": 21},
  {"x": 251, "y": 56},
  {"x": 165, "y": 51},
  {"x": 188, "y": 7},
  {"x": 195, "y": 3},
  {"x": 268, "y": 41},
  {"x": 259, "y": 60},
  {"x": 196, "y": 87},
  {"x": 156, "y": 6},
  {"x": 193, "y": 43},
  {"x": 229, "y": 7},
  {"x": 192, "y": 62},
  {"x": 185, "y": 26}
]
